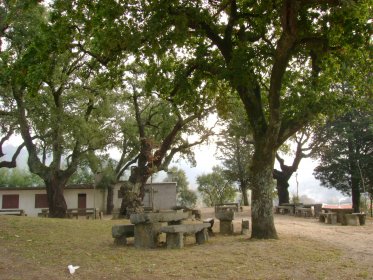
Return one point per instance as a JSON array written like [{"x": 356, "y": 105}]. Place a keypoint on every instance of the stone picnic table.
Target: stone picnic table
[
  {"x": 341, "y": 212},
  {"x": 148, "y": 226},
  {"x": 345, "y": 216}
]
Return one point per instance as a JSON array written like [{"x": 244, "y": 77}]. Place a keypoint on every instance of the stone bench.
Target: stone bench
[
  {"x": 76, "y": 212},
  {"x": 147, "y": 226},
  {"x": 175, "y": 234},
  {"x": 15, "y": 212},
  {"x": 328, "y": 218},
  {"x": 303, "y": 212},
  {"x": 284, "y": 210},
  {"x": 211, "y": 221},
  {"x": 353, "y": 219},
  {"x": 120, "y": 233}
]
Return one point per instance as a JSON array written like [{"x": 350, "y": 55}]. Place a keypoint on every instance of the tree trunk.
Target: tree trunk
[
  {"x": 137, "y": 179},
  {"x": 282, "y": 186},
  {"x": 355, "y": 192},
  {"x": 110, "y": 200},
  {"x": 56, "y": 201},
  {"x": 244, "y": 195},
  {"x": 262, "y": 189}
]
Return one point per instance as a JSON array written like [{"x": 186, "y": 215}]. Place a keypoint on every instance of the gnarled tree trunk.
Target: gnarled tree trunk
[
  {"x": 262, "y": 190},
  {"x": 282, "y": 186},
  {"x": 56, "y": 201}
]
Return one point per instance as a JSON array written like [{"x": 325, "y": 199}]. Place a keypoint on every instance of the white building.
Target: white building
[
  {"x": 32, "y": 200},
  {"x": 158, "y": 196}
]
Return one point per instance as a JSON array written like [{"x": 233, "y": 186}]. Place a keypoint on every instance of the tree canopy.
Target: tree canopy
[
  {"x": 215, "y": 188},
  {"x": 282, "y": 59},
  {"x": 345, "y": 154},
  {"x": 279, "y": 57},
  {"x": 235, "y": 147},
  {"x": 54, "y": 92}
]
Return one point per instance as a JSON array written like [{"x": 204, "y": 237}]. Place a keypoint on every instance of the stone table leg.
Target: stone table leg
[
  {"x": 226, "y": 227},
  {"x": 147, "y": 235},
  {"x": 202, "y": 236},
  {"x": 175, "y": 240},
  {"x": 120, "y": 241}
]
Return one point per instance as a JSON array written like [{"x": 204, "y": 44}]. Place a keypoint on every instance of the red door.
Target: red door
[{"x": 82, "y": 202}]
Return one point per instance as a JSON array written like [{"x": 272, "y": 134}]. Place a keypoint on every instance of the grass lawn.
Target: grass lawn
[{"x": 39, "y": 248}]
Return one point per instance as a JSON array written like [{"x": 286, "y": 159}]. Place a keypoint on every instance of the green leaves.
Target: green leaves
[
  {"x": 345, "y": 149},
  {"x": 215, "y": 187}
]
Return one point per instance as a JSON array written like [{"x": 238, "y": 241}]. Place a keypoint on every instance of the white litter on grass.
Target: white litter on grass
[{"x": 72, "y": 268}]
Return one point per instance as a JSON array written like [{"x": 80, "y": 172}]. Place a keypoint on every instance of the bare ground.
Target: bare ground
[{"x": 34, "y": 248}]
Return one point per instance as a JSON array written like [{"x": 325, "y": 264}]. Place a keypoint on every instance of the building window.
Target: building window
[
  {"x": 41, "y": 201},
  {"x": 10, "y": 201}
]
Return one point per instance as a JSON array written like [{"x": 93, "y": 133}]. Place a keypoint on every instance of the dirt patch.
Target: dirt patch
[
  {"x": 35, "y": 248},
  {"x": 356, "y": 241}
]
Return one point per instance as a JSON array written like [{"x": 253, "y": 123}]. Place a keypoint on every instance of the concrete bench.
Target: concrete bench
[
  {"x": 303, "y": 212},
  {"x": 353, "y": 219},
  {"x": 328, "y": 218},
  {"x": 120, "y": 233},
  {"x": 44, "y": 213},
  {"x": 175, "y": 234},
  {"x": 284, "y": 210},
  {"x": 15, "y": 212},
  {"x": 76, "y": 212}
]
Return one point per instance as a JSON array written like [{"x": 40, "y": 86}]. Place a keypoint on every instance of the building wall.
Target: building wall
[
  {"x": 164, "y": 196},
  {"x": 94, "y": 198}
]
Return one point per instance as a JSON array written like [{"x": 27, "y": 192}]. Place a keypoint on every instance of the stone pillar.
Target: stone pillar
[
  {"x": 147, "y": 235},
  {"x": 120, "y": 241},
  {"x": 245, "y": 226},
  {"x": 175, "y": 240},
  {"x": 202, "y": 236},
  {"x": 225, "y": 218},
  {"x": 362, "y": 218}
]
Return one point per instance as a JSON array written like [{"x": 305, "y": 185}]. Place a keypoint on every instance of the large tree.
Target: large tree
[
  {"x": 345, "y": 153},
  {"x": 55, "y": 92},
  {"x": 279, "y": 57},
  {"x": 162, "y": 128},
  {"x": 276, "y": 55}
]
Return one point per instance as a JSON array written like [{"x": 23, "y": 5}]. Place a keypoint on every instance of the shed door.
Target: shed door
[{"x": 82, "y": 202}]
